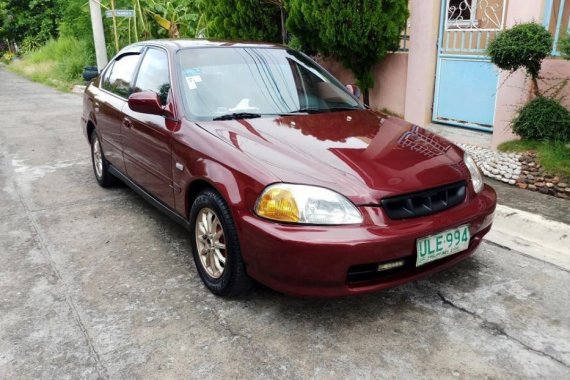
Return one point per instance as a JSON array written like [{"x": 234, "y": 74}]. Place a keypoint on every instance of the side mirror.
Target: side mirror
[
  {"x": 146, "y": 102},
  {"x": 90, "y": 72},
  {"x": 354, "y": 90}
]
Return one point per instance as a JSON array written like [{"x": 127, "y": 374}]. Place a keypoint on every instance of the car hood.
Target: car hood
[{"x": 363, "y": 155}]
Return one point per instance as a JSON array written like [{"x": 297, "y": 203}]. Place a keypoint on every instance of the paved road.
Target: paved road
[{"x": 97, "y": 284}]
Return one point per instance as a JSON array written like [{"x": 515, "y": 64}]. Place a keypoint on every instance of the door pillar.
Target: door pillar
[{"x": 422, "y": 60}]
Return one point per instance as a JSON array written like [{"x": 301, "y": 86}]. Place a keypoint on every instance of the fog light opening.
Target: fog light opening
[{"x": 390, "y": 265}]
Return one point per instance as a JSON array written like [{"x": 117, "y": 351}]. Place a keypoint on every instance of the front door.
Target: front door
[
  {"x": 110, "y": 100},
  {"x": 466, "y": 82},
  {"x": 146, "y": 138}
]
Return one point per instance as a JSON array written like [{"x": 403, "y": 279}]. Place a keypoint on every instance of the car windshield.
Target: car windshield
[{"x": 245, "y": 82}]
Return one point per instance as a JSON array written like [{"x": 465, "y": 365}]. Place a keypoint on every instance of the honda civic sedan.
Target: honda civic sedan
[{"x": 278, "y": 172}]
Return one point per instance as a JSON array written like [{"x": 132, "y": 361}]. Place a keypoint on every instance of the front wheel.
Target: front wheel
[
  {"x": 100, "y": 165},
  {"x": 215, "y": 246}
]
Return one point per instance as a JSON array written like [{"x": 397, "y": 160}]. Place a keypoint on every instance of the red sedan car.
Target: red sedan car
[{"x": 278, "y": 172}]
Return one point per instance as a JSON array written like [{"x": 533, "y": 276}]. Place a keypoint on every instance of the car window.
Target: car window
[
  {"x": 219, "y": 81},
  {"x": 153, "y": 74},
  {"x": 121, "y": 75},
  {"x": 105, "y": 81}
]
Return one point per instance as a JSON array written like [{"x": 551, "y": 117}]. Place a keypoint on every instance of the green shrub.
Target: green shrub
[
  {"x": 7, "y": 57},
  {"x": 59, "y": 63},
  {"x": 69, "y": 54},
  {"x": 564, "y": 45},
  {"x": 543, "y": 119},
  {"x": 522, "y": 46},
  {"x": 242, "y": 19}
]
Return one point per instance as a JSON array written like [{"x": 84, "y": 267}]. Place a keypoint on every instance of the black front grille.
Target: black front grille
[{"x": 425, "y": 202}]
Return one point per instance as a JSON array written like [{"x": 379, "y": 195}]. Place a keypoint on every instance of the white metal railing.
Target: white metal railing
[{"x": 470, "y": 25}]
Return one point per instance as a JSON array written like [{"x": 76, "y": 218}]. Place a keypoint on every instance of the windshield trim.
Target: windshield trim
[{"x": 183, "y": 93}]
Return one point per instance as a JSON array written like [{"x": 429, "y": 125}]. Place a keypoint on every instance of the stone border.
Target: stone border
[
  {"x": 520, "y": 169},
  {"x": 504, "y": 167}
]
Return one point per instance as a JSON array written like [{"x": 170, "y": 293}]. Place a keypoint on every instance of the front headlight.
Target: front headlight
[
  {"x": 476, "y": 177},
  {"x": 306, "y": 205}
]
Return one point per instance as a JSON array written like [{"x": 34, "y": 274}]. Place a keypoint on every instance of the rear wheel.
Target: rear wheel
[
  {"x": 215, "y": 246},
  {"x": 100, "y": 165}
]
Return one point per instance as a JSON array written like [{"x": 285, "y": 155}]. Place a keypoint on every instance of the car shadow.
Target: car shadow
[{"x": 406, "y": 299}]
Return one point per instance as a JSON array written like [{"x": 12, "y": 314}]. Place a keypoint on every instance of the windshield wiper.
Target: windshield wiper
[
  {"x": 305, "y": 110},
  {"x": 322, "y": 110},
  {"x": 238, "y": 115},
  {"x": 343, "y": 108}
]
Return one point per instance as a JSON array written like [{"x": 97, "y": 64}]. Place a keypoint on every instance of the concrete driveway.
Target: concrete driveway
[{"x": 97, "y": 284}]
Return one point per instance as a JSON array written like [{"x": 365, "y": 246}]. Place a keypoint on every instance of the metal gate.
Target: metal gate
[{"x": 466, "y": 80}]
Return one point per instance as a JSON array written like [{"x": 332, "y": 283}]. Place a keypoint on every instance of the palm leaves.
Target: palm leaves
[{"x": 155, "y": 19}]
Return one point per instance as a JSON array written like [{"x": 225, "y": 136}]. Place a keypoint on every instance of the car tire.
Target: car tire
[
  {"x": 223, "y": 271},
  {"x": 100, "y": 164}
]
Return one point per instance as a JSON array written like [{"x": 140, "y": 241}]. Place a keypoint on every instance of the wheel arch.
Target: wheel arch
[
  {"x": 90, "y": 129},
  {"x": 195, "y": 188}
]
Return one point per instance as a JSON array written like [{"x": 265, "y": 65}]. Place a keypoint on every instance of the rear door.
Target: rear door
[
  {"x": 109, "y": 102},
  {"x": 146, "y": 138}
]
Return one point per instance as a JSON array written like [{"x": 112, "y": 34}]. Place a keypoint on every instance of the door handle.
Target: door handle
[{"x": 127, "y": 123}]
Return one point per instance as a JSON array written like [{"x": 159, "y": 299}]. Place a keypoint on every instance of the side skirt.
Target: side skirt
[{"x": 151, "y": 199}]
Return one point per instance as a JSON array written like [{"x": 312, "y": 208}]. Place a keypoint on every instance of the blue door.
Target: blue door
[
  {"x": 466, "y": 80},
  {"x": 465, "y": 92}
]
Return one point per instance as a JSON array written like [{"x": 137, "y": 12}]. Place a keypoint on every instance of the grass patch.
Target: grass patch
[
  {"x": 553, "y": 156},
  {"x": 59, "y": 63}
]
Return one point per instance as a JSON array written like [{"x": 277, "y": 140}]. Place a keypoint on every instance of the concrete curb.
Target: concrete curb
[
  {"x": 78, "y": 89},
  {"x": 532, "y": 234}
]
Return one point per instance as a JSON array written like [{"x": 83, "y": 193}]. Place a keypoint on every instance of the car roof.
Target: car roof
[{"x": 177, "y": 44}]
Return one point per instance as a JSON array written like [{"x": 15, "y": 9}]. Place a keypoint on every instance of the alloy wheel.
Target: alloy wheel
[
  {"x": 97, "y": 158},
  {"x": 210, "y": 243}
]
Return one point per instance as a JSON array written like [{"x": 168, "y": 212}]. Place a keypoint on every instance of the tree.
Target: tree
[
  {"x": 358, "y": 33},
  {"x": 75, "y": 20},
  {"x": 522, "y": 46},
  {"x": 242, "y": 19},
  {"x": 33, "y": 20},
  {"x": 175, "y": 18}
]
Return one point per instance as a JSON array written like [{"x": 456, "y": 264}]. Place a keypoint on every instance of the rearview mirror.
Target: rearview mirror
[
  {"x": 146, "y": 102},
  {"x": 354, "y": 90}
]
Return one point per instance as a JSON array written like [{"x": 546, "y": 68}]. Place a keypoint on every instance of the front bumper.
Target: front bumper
[{"x": 314, "y": 261}]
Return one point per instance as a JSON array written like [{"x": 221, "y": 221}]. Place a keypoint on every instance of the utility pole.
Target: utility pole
[{"x": 98, "y": 33}]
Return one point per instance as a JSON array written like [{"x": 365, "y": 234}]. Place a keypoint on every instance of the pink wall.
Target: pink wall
[
  {"x": 511, "y": 94},
  {"x": 390, "y": 90},
  {"x": 555, "y": 71},
  {"x": 390, "y": 76},
  {"x": 513, "y": 91}
]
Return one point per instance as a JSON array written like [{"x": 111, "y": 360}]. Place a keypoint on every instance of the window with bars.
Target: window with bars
[{"x": 461, "y": 13}]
